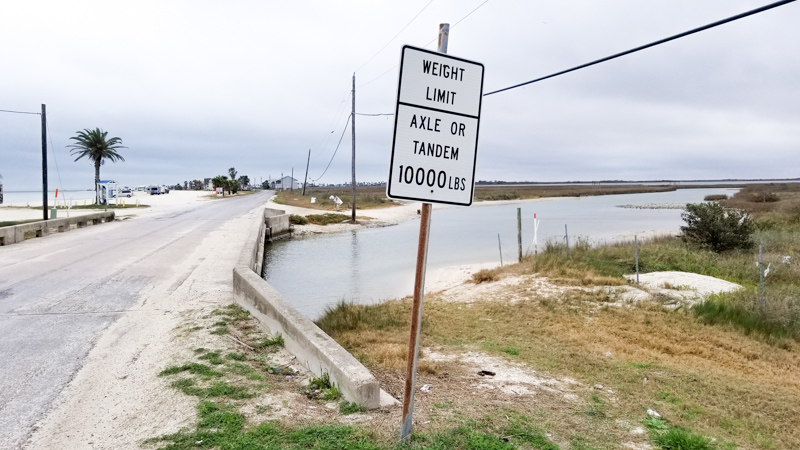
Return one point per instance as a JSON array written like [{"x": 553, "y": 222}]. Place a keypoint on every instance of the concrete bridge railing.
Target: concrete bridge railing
[
  {"x": 16, "y": 233},
  {"x": 317, "y": 351}
]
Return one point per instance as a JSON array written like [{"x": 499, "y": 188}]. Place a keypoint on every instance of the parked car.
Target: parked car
[
  {"x": 125, "y": 193},
  {"x": 154, "y": 190}
]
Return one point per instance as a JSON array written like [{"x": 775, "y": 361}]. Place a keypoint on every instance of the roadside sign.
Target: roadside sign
[{"x": 435, "y": 128}]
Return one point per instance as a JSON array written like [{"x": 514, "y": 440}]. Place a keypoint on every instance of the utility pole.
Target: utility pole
[
  {"x": 305, "y": 181},
  {"x": 44, "y": 163},
  {"x": 353, "y": 128}
]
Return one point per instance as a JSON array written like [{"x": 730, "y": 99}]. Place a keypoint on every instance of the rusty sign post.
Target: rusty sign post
[{"x": 433, "y": 156}]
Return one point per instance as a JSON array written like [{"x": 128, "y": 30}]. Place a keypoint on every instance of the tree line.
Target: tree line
[{"x": 231, "y": 185}]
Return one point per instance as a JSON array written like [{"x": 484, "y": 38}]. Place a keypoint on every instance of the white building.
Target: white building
[{"x": 285, "y": 183}]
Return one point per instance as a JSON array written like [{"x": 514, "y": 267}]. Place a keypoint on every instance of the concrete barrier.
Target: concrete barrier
[
  {"x": 313, "y": 348},
  {"x": 16, "y": 233}
]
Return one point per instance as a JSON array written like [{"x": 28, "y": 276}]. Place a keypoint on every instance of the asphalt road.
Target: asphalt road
[{"x": 59, "y": 293}]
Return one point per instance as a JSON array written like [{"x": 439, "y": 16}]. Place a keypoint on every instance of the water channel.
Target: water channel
[{"x": 374, "y": 264}]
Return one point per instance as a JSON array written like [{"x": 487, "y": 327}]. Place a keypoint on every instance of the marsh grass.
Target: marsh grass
[
  {"x": 376, "y": 334},
  {"x": 367, "y": 197},
  {"x": 326, "y": 219},
  {"x": 588, "y": 265},
  {"x": 514, "y": 192},
  {"x": 741, "y": 310}
]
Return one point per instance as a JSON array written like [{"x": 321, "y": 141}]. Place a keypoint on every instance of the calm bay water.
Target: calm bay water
[
  {"x": 21, "y": 198},
  {"x": 374, "y": 264}
]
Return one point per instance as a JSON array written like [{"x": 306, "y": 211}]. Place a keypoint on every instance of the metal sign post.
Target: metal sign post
[{"x": 433, "y": 157}]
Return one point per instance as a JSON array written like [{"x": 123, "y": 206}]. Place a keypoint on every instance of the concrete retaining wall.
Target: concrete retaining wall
[
  {"x": 312, "y": 347},
  {"x": 16, "y": 233}
]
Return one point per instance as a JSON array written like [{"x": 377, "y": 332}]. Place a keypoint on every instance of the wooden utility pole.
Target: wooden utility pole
[
  {"x": 353, "y": 128},
  {"x": 44, "y": 163},
  {"x": 305, "y": 181}
]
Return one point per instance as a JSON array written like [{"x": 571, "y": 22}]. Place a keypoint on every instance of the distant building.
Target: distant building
[
  {"x": 285, "y": 183},
  {"x": 207, "y": 184}
]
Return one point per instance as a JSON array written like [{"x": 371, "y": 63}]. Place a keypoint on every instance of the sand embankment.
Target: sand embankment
[{"x": 156, "y": 203}]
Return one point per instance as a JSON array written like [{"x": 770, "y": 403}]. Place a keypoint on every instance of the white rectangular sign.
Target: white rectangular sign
[{"x": 436, "y": 128}]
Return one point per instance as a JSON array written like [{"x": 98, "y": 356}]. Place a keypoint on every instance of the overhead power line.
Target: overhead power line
[
  {"x": 395, "y": 36},
  {"x": 381, "y": 114},
  {"x": 429, "y": 43},
  {"x": 652, "y": 44},
  {"x": 20, "y": 112},
  {"x": 337, "y": 149}
]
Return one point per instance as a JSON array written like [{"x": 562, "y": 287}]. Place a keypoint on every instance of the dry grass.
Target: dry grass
[
  {"x": 708, "y": 379},
  {"x": 485, "y": 276},
  {"x": 511, "y": 192},
  {"x": 367, "y": 197}
]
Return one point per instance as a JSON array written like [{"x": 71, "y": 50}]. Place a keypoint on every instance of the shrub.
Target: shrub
[
  {"x": 715, "y": 197},
  {"x": 765, "y": 197},
  {"x": 327, "y": 218},
  {"x": 484, "y": 275},
  {"x": 296, "y": 219},
  {"x": 711, "y": 226}
]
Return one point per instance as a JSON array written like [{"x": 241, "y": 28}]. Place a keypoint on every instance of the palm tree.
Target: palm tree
[
  {"x": 244, "y": 181},
  {"x": 94, "y": 145},
  {"x": 232, "y": 172}
]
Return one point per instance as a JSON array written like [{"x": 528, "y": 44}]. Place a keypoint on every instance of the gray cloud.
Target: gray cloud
[{"x": 194, "y": 88}]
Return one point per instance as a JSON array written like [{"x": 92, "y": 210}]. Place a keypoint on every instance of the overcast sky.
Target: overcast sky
[{"x": 195, "y": 87}]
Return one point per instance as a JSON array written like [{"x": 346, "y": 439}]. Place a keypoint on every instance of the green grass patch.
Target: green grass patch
[
  {"x": 236, "y": 356},
  {"x": 478, "y": 435},
  {"x": 217, "y": 389},
  {"x": 275, "y": 342},
  {"x": 212, "y": 358},
  {"x": 198, "y": 369},
  {"x": 667, "y": 437},
  {"x": 322, "y": 387},
  {"x": 347, "y": 408},
  {"x": 220, "y": 426}
]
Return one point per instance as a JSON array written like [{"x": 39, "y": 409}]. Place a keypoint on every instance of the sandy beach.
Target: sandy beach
[{"x": 156, "y": 203}]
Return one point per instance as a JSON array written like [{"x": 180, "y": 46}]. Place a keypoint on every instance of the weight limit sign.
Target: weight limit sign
[{"x": 436, "y": 128}]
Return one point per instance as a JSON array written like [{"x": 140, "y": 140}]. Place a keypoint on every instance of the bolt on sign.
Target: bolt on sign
[{"x": 435, "y": 128}]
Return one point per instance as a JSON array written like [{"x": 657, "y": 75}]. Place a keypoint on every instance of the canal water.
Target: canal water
[{"x": 374, "y": 264}]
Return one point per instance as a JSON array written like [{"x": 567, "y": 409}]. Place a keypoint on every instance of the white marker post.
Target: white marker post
[
  {"x": 433, "y": 156},
  {"x": 535, "y": 244}
]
